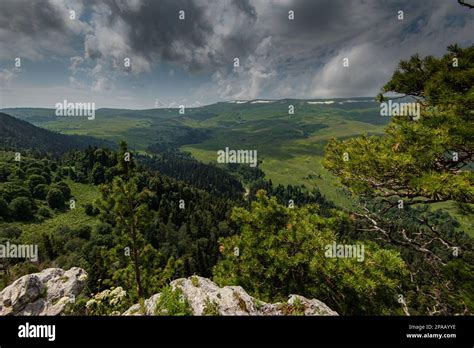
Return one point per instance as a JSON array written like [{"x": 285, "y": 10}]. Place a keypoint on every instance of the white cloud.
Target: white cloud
[
  {"x": 368, "y": 66},
  {"x": 5, "y": 77},
  {"x": 251, "y": 77},
  {"x": 102, "y": 84}
]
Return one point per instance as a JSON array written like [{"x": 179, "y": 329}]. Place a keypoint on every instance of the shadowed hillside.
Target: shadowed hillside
[{"x": 16, "y": 134}]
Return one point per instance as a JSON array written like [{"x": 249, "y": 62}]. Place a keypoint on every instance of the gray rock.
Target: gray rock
[
  {"x": 206, "y": 298},
  {"x": 149, "y": 307},
  {"x": 44, "y": 293},
  {"x": 311, "y": 307},
  {"x": 202, "y": 294}
]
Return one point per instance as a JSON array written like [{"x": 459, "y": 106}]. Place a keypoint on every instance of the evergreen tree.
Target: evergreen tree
[
  {"x": 282, "y": 251},
  {"x": 127, "y": 208},
  {"x": 420, "y": 158}
]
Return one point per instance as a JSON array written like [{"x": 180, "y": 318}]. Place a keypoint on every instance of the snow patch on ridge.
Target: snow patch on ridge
[
  {"x": 321, "y": 102},
  {"x": 261, "y": 101}
]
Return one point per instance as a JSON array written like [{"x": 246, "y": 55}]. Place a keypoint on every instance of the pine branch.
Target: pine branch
[{"x": 464, "y": 3}]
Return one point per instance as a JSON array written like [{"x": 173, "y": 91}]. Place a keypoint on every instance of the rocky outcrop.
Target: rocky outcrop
[
  {"x": 206, "y": 298},
  {"x": 44, "y": 293},
  {"x": 50, "y": 291}
]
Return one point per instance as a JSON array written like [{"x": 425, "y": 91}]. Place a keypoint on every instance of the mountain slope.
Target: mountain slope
[{"x": 16, "y": 134}]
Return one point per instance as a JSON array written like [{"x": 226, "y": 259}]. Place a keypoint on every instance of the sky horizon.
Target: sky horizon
[
  {"x": 140, "y": 54},
  {"x": 365, "y": 98}
]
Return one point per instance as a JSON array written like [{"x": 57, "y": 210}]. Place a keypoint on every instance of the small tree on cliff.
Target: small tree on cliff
[{"x": 125, "y": 207}]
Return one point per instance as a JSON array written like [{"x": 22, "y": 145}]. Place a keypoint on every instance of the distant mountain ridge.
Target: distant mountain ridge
[
  {"x": 16, "y": 134},
  {"x": 50, "y": 112}
]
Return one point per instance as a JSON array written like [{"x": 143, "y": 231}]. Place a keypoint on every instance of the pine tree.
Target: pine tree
[
  {"x": 423, "y": 158},
  {"x": 281, "y": 251}
]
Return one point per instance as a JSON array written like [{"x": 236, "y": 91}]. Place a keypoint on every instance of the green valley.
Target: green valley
[{"x": 290, "y": 146}]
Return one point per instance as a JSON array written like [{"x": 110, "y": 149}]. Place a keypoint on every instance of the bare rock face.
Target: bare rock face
[
  {"x": 206, "y": 298},
  {"x": 44, "y": 293}
]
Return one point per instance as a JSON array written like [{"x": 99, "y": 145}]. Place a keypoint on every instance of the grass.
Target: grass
[
  {"x": 83, "y": 194},
  {"x": 288, "y": 156},
  {"x": 135, "y": 130}
]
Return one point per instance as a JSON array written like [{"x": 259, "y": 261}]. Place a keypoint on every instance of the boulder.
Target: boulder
[{"x": 44, "y": 293}]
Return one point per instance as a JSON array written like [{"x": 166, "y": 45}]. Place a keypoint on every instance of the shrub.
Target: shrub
[
  {"x": 77, "y": 308},
  {"x": 64, "y": 189},
  {"x": 47, "y": 177},
  {"x": 108, "y": 302},
  {"x": 72, "y": 174},
  {"x": 195, "y": 281},
  {"x": 10, "y": 190},
  {"x": 89, "y": 209},
  {"x": 211, "y": 308},
  {"x": 5, "y": 171},
  {"x": 17, "y": 174},
  {"x": 65, "y": 171},
  {"x": 40, "y": 191},
  {"x": 81, "y": 177},
  {"x": 295, "y": 308},
  {"x": 173, "y": 303},
  {"x": 10, "y": 232},
  {"x": 83, "y": 232},
  {"x": 55, "y": 198},
  {"x": 21, "y": 208},
  {"x": 44, "y": 212},
  {"x": 35, "y": 180},
  {"x": 33, "y": 171},
  {"x": 3, "y": 208},
  {"x": 98, "y": 174},
  {"x": 57, "y": 178}
]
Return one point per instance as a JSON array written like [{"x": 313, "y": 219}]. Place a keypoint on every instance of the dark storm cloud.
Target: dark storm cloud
[
  {"x": 30, "y": 17},
  {"x": 153, "y": 31},
  {"x": 325, "y": 16},
  {"x": 155, "y": 26},
  {"x": 35, "y": 29},
  {"x": 245, "y": 7}
]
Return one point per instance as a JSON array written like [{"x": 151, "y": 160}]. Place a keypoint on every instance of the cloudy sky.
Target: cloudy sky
[{"x": 191, "y": 61}]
